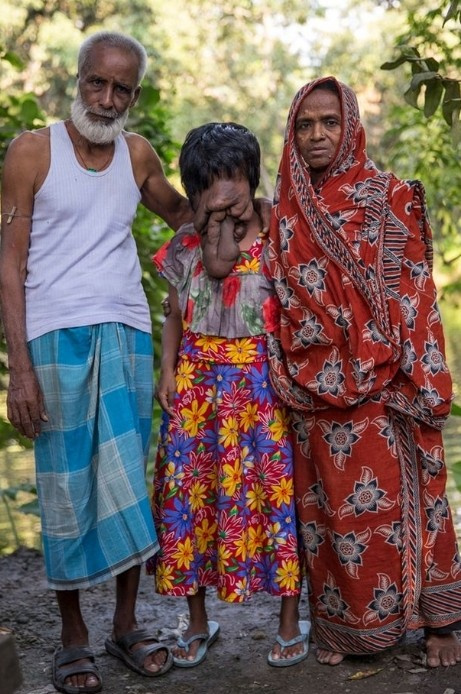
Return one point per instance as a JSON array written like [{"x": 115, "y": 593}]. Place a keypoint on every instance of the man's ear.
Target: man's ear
[{"x": 135, "y": 97}]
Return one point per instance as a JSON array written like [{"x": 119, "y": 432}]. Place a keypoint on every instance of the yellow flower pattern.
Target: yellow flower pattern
[
  {"x": 210, "y": 343},
  {"x": 287, "y": 574},
  {"x": 232, "y": 477},
  {"x": 241, "y": 351},
  {"x": 229, "y": 433},
  {"x": 184, "y": 554},
  {"x": 249, "y": 416},
  {"x": 282, "y": 492},
  {"x": 184, "y": 376},
  {"x": 194, "y": 417},
  {"x": 205, "y": 534}
]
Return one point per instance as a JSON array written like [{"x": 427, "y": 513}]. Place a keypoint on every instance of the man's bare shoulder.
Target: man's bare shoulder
[
  {"x": 28, "y": 158},
  {"x": 32, "y": 139},
  {"x": 33, "y": 144},
  {"x": 138, "y": 145},
  {"x": 144, "y": 158}
]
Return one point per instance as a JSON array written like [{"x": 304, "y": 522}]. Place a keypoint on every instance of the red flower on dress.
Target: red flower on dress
[
  {"x": 191, "y": 240},
  {"x": 271, "y": 314},
  {"x": 159, "y": 258},
  {"x": 189, "y": 311},
  {"x": 231, "y": 288},
  {"x": 198, "y": 268}
]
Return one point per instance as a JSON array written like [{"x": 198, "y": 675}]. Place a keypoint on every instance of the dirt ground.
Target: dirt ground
[{"x": 235, "y": 664}]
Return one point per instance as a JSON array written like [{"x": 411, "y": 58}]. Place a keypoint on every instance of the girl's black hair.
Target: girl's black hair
[{"x": 217, "y": 150}]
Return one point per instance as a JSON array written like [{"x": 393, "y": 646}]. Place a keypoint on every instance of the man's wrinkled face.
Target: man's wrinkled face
[
  {"x": 318, "y": 130},
  {"x": 107, "y": 88}
]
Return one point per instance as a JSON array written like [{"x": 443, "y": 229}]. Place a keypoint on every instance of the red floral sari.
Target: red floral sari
[{"x": 359, "y": 356}]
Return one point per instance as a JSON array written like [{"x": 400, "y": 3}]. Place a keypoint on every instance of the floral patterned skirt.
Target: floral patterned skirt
[{"x": 223, "y": 498}]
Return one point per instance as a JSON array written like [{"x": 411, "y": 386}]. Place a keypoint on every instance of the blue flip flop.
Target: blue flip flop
[
  {"x": 304, "y": 628},
  {"x": 206, "y": 641}
]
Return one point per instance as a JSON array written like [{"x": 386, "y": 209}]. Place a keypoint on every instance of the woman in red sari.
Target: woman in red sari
[{"x": 359, "y": 357}]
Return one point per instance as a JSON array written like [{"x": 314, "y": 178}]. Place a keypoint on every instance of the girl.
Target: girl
[{"x": 223, "y": 488}]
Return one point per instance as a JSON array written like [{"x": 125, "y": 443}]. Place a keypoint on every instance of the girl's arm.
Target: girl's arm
[{"x": 171, "y": 340}]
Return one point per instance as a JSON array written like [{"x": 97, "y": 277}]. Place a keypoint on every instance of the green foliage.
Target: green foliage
[
  {"x": 419, "y": 143},
  {"x": 10, "y": 494},
  {"x": 435, "y": 82},
  {"x": 421, "y": 148},
  {"x": 18, "y": 111}
]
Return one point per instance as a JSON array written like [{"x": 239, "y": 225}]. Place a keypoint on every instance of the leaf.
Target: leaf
[
  {"x": 30, "y": 508},
  {"x": 362, "y": 674},
  {"x": 407, "y": 54},
  {"x": 422, "y": 77},
  {"x": 13, "y": 60},
  {"x": 29, "y": 110},
  {"x": 434, "y": 91},
  {"x": 391, "y": 65},
  {"x": 410, "y": 52},
  {"x": 12, "y": 492},
  {"x": 455, "y": 410},
  {"x": 452, "y": 11},
  {"x": 411, "y": 96},
  {"x": 456, "y": 127},
  {"x": 149, "y": 96},
  {"x": 432, "y": 64},
  {"x": 451, "y": 100}
]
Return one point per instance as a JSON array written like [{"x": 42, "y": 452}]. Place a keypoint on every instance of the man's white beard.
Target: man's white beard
[{"x": 97, "y": 132}]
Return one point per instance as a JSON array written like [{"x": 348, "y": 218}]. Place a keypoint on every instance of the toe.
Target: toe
[{"x": 329, "y": 657}]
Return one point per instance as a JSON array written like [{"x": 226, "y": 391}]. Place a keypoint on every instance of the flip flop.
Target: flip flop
[
  {"x": 206, "y": 639},
  {"x": 304, "y": 628},
  {"x": 122, "y": 649},
  {"x": 64, "y": 666}
]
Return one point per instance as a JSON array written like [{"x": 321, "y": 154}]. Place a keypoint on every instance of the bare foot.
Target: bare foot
[
  {"x": 329, "y": 657},
  {"x": 442, "y": 649}
]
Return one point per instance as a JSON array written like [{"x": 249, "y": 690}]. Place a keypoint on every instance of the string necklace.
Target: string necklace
[{"x": 91, "y": 169}]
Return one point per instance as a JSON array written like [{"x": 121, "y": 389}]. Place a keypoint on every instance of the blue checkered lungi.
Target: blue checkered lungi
[{"x": 91, "y": 455}]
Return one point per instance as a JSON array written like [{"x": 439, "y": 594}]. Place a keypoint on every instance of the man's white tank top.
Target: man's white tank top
[{"x": 83, "y": 266}]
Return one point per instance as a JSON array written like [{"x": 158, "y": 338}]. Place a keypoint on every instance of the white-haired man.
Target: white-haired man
[{"x": 78, "y": 331}]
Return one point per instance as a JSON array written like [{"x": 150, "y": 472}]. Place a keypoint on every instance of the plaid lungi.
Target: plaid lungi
[{"x": 91, "y": 455}]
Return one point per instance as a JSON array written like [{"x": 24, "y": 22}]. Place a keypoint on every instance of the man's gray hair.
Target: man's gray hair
[{"x": 116, "y": 40}]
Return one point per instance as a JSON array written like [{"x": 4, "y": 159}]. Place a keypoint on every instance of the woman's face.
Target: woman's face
[{"x": 318, "y": 130}]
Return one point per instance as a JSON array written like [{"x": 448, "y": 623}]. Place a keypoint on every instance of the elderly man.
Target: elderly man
[{"x": 78, "y": 331}]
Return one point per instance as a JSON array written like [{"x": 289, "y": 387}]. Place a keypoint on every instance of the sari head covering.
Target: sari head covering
[{"x": 351, "y": 255}]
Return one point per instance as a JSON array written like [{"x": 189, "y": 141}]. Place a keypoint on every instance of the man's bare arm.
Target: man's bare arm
[
  {"x": 158, "y": 195},
  {"x": 23, "y": 173}
]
